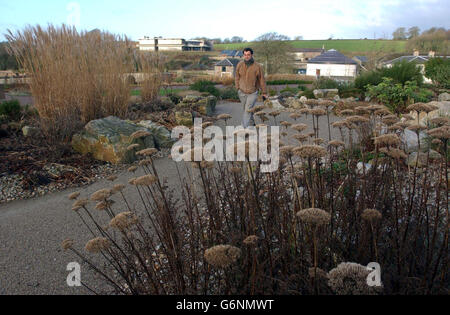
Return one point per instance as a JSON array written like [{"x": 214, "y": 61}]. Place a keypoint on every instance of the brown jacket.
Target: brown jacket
[{"x": 250, "y": 79}]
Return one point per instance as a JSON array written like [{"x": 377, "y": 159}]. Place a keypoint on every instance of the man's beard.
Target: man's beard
[{"x": 249, "y": 62}]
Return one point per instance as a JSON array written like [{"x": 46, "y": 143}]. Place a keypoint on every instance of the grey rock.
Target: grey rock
[
  {"x": 444, "y": 97},
  {"x": 326, "y": 93},
  {"x": 107, "y": 140},
  {"x": 410, "y": 139},
  {"x": 28, "y": 131},
  {"x": 162, "y": 136}
]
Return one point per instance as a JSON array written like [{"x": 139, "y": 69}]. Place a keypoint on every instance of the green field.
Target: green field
[{"x": 344, "y": 45}]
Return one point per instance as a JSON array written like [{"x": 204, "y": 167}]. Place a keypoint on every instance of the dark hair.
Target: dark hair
[{"x": 248, "y": 49}]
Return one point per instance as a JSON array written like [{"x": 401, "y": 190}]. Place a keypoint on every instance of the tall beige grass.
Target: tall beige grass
[
  {"x": 151, "y": 65},
  {"x": 75, "y": 76}
]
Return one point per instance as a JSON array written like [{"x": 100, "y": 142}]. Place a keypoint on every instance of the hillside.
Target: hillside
[{"x": 344, "y": 45}]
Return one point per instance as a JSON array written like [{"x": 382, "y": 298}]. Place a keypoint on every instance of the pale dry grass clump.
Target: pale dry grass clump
[
  {"x": 132, "y": 169},
  {"x": 310, "y": 151},
  {"x": 117, "y": 188},
  {"x": 349, "y": 279},
  {"x": 79, "y": 204},
  {"x": 75, "y": 76},
  {"x": 97, "y": 245},
  {"x": 394, "y": 153},
  {"x": 314, "y": 216},
  {"x": 222, "y": 256}
]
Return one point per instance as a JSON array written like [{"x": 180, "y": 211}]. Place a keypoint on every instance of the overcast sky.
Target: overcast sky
[{"x": 313, "y": 19}]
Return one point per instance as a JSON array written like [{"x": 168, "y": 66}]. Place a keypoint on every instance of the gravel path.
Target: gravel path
[{"x": 31, "y": 231}]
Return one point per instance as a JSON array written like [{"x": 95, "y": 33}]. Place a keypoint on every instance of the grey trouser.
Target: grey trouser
[{"x": 248, "y": 101}]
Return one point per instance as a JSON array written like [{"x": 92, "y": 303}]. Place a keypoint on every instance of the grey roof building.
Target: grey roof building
[
  {"x": 332, "y": 57},
  {"x": 231, "y": 62}
]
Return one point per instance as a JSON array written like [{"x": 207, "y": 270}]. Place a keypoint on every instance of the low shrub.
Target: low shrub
[
  {"x": 205, "y": 86},
  {"x": 282, "y": 82},
  {"x": 229, "y": 93},
  {"x": 11, "y": 110}
]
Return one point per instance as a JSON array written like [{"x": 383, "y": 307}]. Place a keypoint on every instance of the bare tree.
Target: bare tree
[
  {"x": 413, "y": 32},
  {"x": 273, "y": 49},
  {"x": 237, "y": 39},
  {"x": 399, "y": 34}
]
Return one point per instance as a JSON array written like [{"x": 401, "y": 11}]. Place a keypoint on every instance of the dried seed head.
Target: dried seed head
[
  {"x": 382, "y": 112},
  {"x": 74, "y": 196},
  {"x": 189, "y": 156},
  {"x": 318, "y": 112},
  {"x": 350, "y": 279},
  {"x": 362, "y": 110},
  {"x": 123, "y": 221},
  {"x": 295, "y": 116},
  {"x": 133, "y": 147},
  {"x": 97, "y": 245},
  {"x": 80, "y": 203},
  {"x": 300, "y": 138},
  {"x": 336, "y": 143},
  {"x": 131, "y": 181},
  {"x": 132, "y": 169},
  {"x": 251, "y": 240},
  {"x": 310, "y": 151},
  {"x": 147, "y": 152},
  {"x": 101, "y": 195},
  {"x": 287, "y": 150},
  {"x": 103, "y": 205},
  {"x": 418, "y": 107},
  {"x": 417, "y": 128},
  {"x": 67, "y": 244},
  {"x": 147, "y": 180},
  {"x": 371, "y": 215},
  {"x": 275, "y": 113},
  {"x": 407, "y": 117},
  {"x": 207, "y": 124},
  {"x": 312, "y": 102},
  {"x": 304, "y": 111},
  {"x": 437, "y": 142},
  {"x": 286, "y": 124},
  {"x": 357, "y": 119},
  {"x": 314, "y": 216},
  {"x": 145, "y": 162},
  {"x": 117, "y": 188},
  {"x": 442, "y": 133},
  {"x": 112, "y": 178},
  {"x": 261, "y": 126},
  {"x": 347, "y": 112},
  {"x": 222, "y": 256},
  {"x": 389, "y": 139},
  {"x": 140, "y": 134},
  {"x": 224, "y": 117},
  {"x": 374, "y": 108},
  {"x": 318, "y": 141},
  {"x": 394, "y": 153},
  {"x": 299, "y": 127},
  {"x": 339, "y": 124},
  {"x": 326, "y": 103},
  {"x": 440, "y": 121}
]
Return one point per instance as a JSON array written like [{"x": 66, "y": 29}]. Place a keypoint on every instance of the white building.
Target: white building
[
  {"x": 173, "y": 44},
  {"x": 332, "y": 64}
]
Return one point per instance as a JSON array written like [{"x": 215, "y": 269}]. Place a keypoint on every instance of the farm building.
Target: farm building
[
  {"x": 332, "y": 64},
  {"x": 418, "y": 59},
  {"x": 226, "y": 67},
  {"x": 301, "y": 56},
  {"x": 173, "y": 44}
]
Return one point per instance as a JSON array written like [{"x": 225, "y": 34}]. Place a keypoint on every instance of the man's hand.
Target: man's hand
[{"x": 265, "y": 97}]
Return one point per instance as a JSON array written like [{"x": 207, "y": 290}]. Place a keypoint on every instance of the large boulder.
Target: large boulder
[
  {"x": 107, "y": 140},
  {"x": 28, "y": 131},
  {"x": 444, "y": 97},
  {"x": 325, "y": 93},
  {"x": 162, "y": 136}
]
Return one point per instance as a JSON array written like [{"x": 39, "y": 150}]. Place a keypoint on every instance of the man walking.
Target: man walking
[{"x": 249, "y": 79}]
